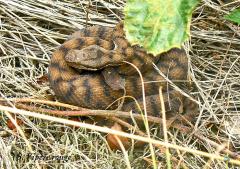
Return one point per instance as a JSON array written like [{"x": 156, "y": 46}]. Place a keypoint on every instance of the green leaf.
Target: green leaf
[
  {"x": 158, "y": 25},
  {"x": 234, "y": 16}
]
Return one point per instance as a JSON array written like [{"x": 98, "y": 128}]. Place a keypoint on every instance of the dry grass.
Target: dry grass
[{"x": 31, "y": 30}]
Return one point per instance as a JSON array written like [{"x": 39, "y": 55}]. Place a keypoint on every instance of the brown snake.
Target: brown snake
[{"x": 88, "y": 70}]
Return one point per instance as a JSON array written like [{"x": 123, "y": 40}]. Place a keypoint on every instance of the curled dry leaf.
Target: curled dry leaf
[
  {"x": 12, "y": 126},
  {"x": 112, "y": 141}
]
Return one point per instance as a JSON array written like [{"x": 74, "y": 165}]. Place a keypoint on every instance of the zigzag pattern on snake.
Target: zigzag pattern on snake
[{"x": 76, "y": 71}]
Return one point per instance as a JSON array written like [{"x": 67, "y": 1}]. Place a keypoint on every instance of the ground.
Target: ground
[{"x": 31, "y": 30}]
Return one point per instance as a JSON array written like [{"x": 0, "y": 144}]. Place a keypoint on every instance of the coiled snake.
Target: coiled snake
[{"x": 88, "y": 70}]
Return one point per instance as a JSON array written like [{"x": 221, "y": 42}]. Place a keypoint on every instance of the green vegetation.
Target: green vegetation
[{"x": 158, "y": 25}]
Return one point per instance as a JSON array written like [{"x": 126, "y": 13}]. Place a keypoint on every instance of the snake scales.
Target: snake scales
[{"x": 88, "y": 70}]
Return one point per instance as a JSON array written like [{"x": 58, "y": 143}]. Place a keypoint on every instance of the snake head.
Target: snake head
[
  {"x": 88, "y": 58},
  {"x": 92, "y": 57}
]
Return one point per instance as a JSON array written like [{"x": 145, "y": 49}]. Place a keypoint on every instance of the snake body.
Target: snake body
[{"x": 97, "y": 49}]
